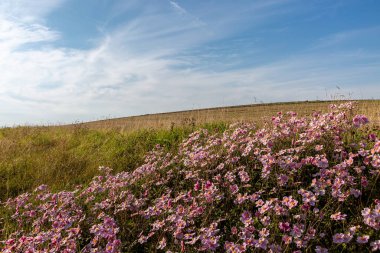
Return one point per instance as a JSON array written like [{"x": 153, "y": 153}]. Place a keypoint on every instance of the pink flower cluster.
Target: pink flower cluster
[
  {"x": 359, "y": 120},
  {"x": 296, "y": 184},
  {"x": 46, "y": 222},
  {"x": 371, "y": 217}
]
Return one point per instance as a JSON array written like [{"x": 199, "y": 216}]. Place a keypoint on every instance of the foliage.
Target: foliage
[
  {"x": 297, "y": 184},
  {"x": 63, "y": 157}
]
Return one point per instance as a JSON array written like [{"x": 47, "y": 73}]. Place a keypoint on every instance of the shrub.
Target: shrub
[{"x": 295, "y": 185}]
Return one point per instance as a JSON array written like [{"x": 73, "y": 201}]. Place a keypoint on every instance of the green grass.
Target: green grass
[{"x": 63, "y": 157}]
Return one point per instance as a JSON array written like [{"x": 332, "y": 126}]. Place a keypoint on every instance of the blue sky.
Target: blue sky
[{"x": 67, "y": 60}]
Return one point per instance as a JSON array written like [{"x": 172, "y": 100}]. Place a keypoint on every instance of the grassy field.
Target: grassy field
[
  {"x": 64, "y": 156},
  {"x": 297, "y": 183},
  {"x": 257, "y": 113}
]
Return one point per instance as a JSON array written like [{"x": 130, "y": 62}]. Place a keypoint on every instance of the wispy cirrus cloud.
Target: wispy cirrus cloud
[
  {"x": 357, "y": 35},
  {"x": 21, "y": 23},
  {"x": 28, "y": 11},
  {"x": 164, "y": 58},
  {"x": 178, "y": 8},
  {"x": 15, "y": 34}
]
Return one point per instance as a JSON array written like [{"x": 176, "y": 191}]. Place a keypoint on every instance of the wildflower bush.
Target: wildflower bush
[{"x": 298, "y": 184}]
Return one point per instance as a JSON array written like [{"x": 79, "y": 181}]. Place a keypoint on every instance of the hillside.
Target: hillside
[
  {"x": 294, "y": 184},
  {"x": 247, "y": 113},
  {"x": 64, "y": 156}
]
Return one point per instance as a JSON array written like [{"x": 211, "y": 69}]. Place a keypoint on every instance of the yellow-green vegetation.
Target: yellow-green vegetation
[
  {"x": 296, "y": 183},
  {"x": 64, "y": 156},
  {"x": 257, "y": 113}
]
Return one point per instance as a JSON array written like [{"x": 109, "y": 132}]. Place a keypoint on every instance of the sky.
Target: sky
[{"x": 64, "y": 61}]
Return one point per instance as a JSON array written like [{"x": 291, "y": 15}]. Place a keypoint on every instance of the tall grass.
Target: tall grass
[
  {"x": 247, "y": 113},
  {"x": 295, "y": 185},
  {"x": 63, "y": 157}
]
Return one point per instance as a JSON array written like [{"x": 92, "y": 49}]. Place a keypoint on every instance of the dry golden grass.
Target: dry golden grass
[{"x": 257, "y": 113}]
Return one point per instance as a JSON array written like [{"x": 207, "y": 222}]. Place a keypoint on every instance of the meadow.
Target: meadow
[
  {"x": 64, "y": 156},
  {"x": 258, "y": 113},
  {"x": 192, "y": 181}
]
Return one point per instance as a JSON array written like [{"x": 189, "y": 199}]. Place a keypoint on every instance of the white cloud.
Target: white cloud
[
  {"x": 130, "y": 71},
  {"x": 178, "y": 8},
  {"x": 14, "y": 35},
  {"x": 27, "y": 10}
]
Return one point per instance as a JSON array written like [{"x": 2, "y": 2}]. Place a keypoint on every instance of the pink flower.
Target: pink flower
[
  {"x": 362, "y": 239},
  {"x": 234, "y": 188},
  {"x": 265, "y": 220},
  {"x": 376, "y": 148},
  {"x": 338, "y": 216},
  {"x": 339, "y": 238},
  {"x": 282, "y": 179},
  {"x": 284, "y": 226},
  {"x": 318, "y": 147},
  {"x": 364, "y": 181},
  {"x": 246, "y": 218},
  {"x": 322, "y": 162},
  {"x": 231, "y": 247},
  {"x": 287, "y": 239},
  {"x": 244, "y": 177},
  {"x": 376, "y": 161},
  {"x": 41, "y": 188},
  {"x": 372, "y": 137},
  {"x": 197, "y": 186},
  {"x": 319, "y": 249},
  {"x": 289, "y": 202},
  {"x": 359, "y": 120},
  {"x": 297, "y": 231},
  {"x": 162, "y": 243},
  {"x": 371, "y": 217},
  {"x": 262, "y": 243},
  {"x": 264, "y": 232},
  {"x": 355, "y": 192},
  {"x": 375, "y": 245},
  {"x": 342, "y": 238}
]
